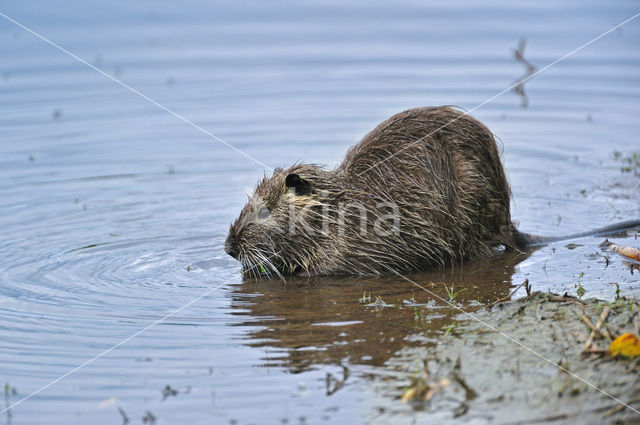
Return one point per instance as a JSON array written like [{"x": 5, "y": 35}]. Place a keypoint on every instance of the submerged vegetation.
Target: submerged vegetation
[
  {"x": 630, "y": 162},
  {"x": 452, "y": 293}
]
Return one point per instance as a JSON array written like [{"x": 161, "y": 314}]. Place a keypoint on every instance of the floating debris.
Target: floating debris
[
  {"x": 125, "y": 418},
  {"x": 626, "y": 251},
  {"x": 149, "y": 418},
  {"x": 168, "y": 392},
  {"x": 333, "y": 384},
  {"x": 518, "y": 88}
]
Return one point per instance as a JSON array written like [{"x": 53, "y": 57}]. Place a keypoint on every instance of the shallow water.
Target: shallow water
[{"x": 114, "y": 211}]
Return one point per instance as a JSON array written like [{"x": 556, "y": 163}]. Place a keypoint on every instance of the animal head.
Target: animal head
[{"x": 280, "y": 229}]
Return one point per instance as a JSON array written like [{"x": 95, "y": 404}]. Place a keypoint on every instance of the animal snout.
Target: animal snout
[{"x": 231, "y": 248}]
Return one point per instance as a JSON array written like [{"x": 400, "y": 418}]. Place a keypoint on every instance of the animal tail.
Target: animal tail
[{"x": 524, "y": 240}]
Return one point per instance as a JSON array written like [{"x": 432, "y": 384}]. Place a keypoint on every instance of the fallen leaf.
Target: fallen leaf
[
  {"x": 626, "y": 345},
  {"x": 626, "y": 251},
  {"x": 409, "y": 395},
  {"x": 421, "y": 389}
]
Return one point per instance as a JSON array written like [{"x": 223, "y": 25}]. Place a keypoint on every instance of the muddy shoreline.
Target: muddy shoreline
[{"x": 524, "y": 362}]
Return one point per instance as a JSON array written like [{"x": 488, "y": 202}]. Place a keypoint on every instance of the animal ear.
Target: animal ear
[{"x": 299, "y": 185}]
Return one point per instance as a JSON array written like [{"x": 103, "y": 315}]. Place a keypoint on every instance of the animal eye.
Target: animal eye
[{"x": 264, "y": 212}]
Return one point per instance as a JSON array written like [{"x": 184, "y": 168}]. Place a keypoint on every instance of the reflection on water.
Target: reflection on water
[
  {"x": 114, "y": 212},
  {"x": 358, "y": 320}
]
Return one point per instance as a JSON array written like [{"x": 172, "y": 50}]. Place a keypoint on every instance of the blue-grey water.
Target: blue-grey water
[{"x": 113, "y": 211}]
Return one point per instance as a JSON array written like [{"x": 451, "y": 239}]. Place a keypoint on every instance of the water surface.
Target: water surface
[{"x": 114, "y": 211}]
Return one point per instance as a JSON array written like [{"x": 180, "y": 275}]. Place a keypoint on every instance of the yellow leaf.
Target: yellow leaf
[
  {"x": 409, "y": 395},
  {"x": 626, "y": 345}
]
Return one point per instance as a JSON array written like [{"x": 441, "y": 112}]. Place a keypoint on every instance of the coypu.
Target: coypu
[{"x": 424, "y": 189}]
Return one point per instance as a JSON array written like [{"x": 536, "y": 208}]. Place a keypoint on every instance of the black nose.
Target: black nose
[{"x": 231, "y": 248}]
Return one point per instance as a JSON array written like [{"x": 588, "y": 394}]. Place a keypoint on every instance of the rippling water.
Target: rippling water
[{"x": 114, "y": 211}]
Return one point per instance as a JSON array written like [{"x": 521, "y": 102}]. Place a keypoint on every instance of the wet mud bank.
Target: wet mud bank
[{"x": 540, "y": 359}]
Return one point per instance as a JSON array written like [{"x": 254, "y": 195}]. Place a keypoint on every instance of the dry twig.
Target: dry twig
[
  {"x": 603, "y": 333},
  {"x": 601, "y": 320},
  {"x": 508, "y": 297}
]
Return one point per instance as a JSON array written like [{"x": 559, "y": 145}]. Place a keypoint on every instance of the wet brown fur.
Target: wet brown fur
[{"x": 447, "y": 182}]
